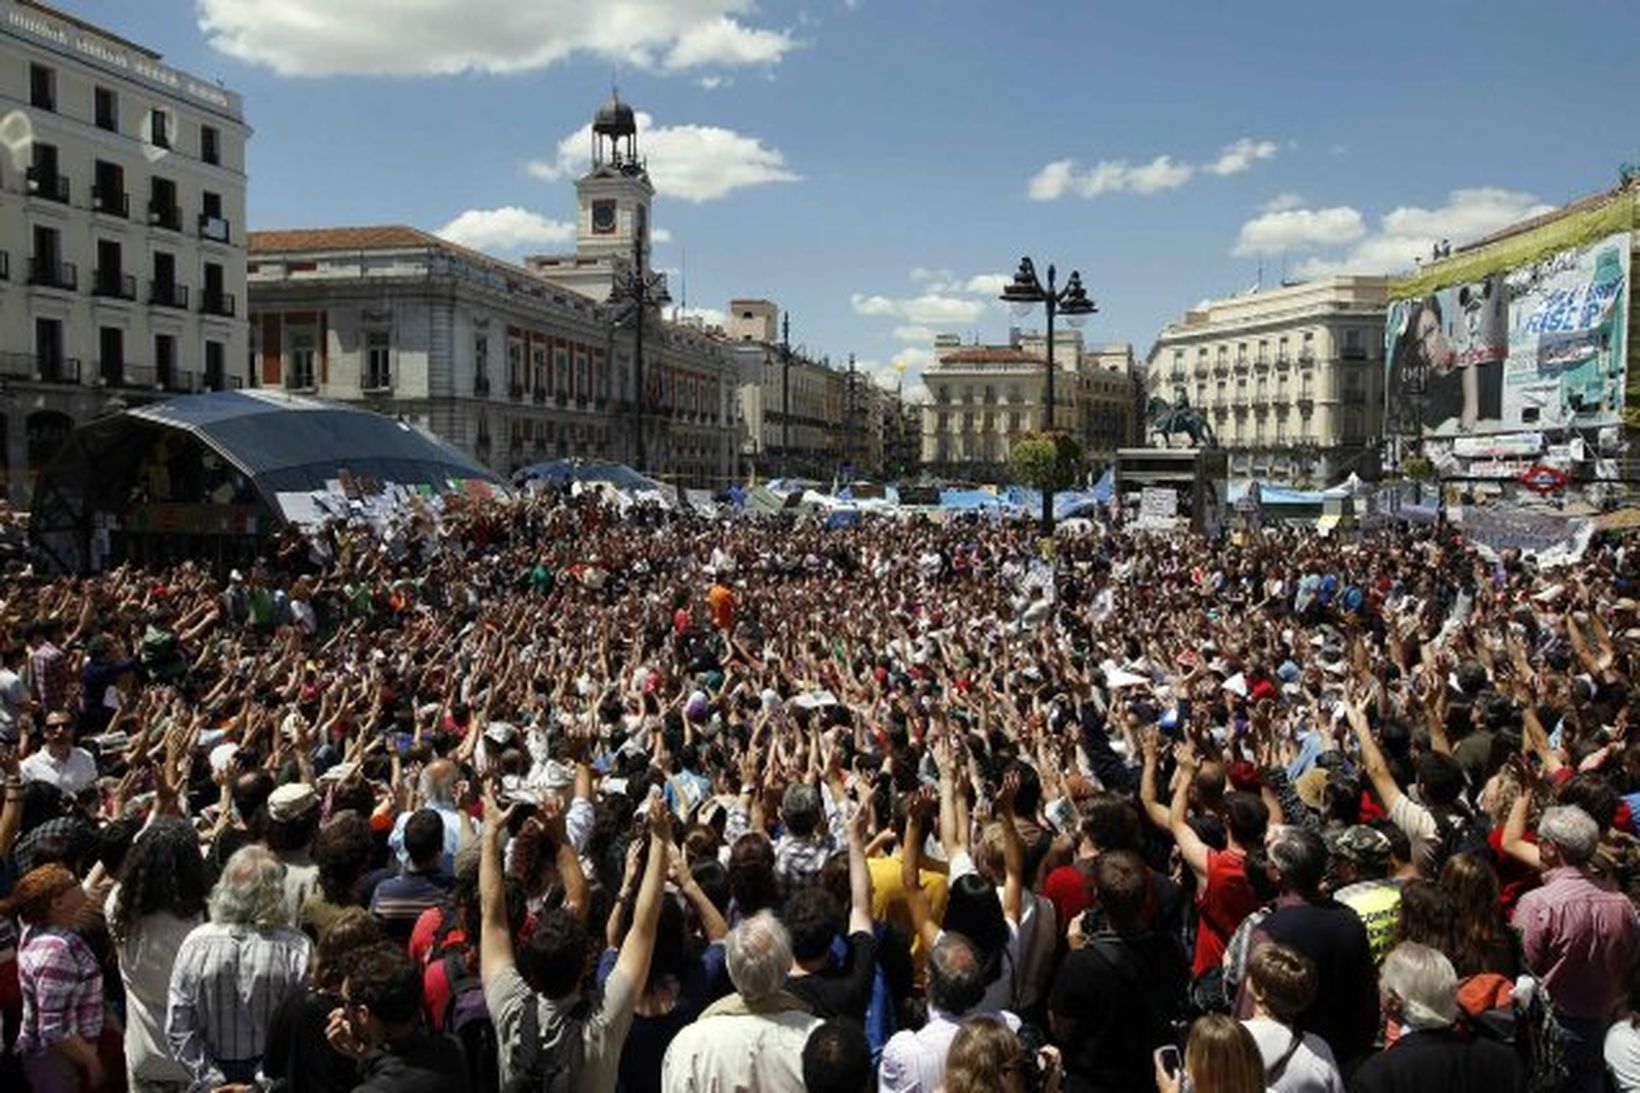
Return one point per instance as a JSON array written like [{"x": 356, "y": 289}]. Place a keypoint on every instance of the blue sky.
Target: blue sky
[{"x": 873, "y": 165}]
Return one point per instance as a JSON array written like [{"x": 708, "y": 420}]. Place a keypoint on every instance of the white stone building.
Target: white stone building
[
  {"x": 1291, "y": 379},
  {"x": 513, "y": 364},
  {"x": 122, "y": 244}
]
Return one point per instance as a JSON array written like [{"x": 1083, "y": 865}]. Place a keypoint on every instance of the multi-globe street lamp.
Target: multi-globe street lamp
[{"x": 1072, "y": 301}]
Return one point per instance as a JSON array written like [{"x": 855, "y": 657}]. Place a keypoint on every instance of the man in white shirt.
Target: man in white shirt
[
  {"x": 914, "y": 1062},
  {"x": 14, "y": 697},
  {"x": 60, "y": 763},
  {"x": 754, "y": 1038}
]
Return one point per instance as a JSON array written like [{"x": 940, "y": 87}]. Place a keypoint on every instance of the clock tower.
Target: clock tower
[{"x": 613, "y": 197}]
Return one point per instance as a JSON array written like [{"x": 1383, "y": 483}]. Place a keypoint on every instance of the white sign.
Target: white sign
[{"x": 1158, "y": 508}]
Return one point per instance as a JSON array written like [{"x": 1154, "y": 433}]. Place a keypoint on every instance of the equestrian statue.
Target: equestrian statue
[{"x": 1166, "y": 420}]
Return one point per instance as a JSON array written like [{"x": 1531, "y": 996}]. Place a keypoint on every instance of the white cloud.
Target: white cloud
[
  {"x": 723, "y": 41},
  {"x": 1063, "y": 177},
  {"x": 1408, "y": 233},
  {"x": 659, "y": 235},
  {"x": 509, "y": 228},
  {"x": 1299, "y": 229},
  {"x": 988, "y": 284},
  {"x": 1237, "y": 157},
  {"x": 712, "y": 83},
  {"x": 914, "y": 333},
  {"x": 707, "y": 316},
  {"x": 441, "y": 37},
  {"x": 929, "y": 309},
  {"x": 1282, "y": 202},
  {"x": 693, "y": 162},
  {"x": 1054, "y": 181}
]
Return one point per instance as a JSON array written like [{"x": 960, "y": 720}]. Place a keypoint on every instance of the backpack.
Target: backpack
[
  {"x": 1459, "y": 834},
  {"x": 466, "y": 1018},
  {"x": 1530, "y": 1029},
  {"x": 559, "y": 1062}
]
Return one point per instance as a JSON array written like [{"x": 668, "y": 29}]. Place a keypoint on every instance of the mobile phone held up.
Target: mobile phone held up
[{"x": 1167, "y": 1060}]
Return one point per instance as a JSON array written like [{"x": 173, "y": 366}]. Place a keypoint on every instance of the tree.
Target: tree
[
  {"x": 1047, "y": 461},
  {"x": 1417, "y": 468}
]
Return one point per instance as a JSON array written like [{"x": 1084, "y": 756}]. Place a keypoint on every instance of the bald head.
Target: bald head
[{"x": 438, "y": 783}]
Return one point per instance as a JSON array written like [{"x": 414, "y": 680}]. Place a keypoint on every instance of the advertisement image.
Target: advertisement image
[{"x": 1537, "y": 347}]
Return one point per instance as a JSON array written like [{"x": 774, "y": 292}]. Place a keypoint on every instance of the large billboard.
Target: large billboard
[{"x": 1539, "y": 347}]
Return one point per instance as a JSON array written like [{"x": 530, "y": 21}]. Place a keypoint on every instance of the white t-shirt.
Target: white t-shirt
[
  {"x": 71, "y": 775},
  {"x": 1310, "y": 1069},
  {"x": 146, "y": 957}
]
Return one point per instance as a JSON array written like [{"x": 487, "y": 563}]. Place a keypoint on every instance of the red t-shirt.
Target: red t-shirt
[{"x": 1225, "y": 900}]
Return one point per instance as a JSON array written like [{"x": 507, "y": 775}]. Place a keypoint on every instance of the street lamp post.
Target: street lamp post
[
  {"x": 786, "y": 393},
  {"x": 1026, "y": 291},
  {"x": 639, "y": 290}
]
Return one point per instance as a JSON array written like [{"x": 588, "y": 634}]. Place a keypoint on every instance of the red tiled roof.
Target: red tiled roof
[
  {"x": 370, "y": 238},
  {"x": 990, "y": 354}
]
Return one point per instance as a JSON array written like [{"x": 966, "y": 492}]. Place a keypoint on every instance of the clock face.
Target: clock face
[{"x": 603, "y": 217}]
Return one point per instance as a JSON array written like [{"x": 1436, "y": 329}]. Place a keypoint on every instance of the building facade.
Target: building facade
[
  {"x": 983, "y": 398},
  {"x": 1290, "y": 379},
  {"x": 511, "y": 364},
  {"x": 122, "y": 247},
  {"x": 799, "y": 434}
]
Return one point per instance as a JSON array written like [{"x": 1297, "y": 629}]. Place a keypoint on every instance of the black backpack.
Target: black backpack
[
  {"x": 466, "y": 1018},
  {"x": 1459, "y": 833}
]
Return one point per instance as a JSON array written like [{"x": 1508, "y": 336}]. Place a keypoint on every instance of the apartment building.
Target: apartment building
[
  {"x": 122, "y": 245},
  {"x": 1291, "y": 379}
]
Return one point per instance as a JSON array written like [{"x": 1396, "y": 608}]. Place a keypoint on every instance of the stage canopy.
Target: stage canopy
[{"x": 233, "y": 464}]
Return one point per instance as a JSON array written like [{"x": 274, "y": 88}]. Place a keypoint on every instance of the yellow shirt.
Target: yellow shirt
[{"x": 888, "y": 899}]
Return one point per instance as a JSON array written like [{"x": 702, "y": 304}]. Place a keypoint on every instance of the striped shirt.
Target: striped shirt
[
  {"x": 62, "y": 989},
  {"x": 49, "y": 674},
  {"x": 225, "y": 985}
]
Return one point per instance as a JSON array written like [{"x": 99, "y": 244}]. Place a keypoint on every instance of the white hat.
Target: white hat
[{"x": 292, "y": 801}]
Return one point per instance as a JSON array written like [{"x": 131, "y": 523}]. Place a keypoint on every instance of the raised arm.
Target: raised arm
[
  {"x": 1013, "y": 851},
  {"x": 1191, "y": 847},
  {"x": 1383, "y": 782},
  {"x": 859, "y": 873},
  {"x": 639, "y": 946},
  {"x": 495, "y": 950},
  {"x": 923, "y": 925}
]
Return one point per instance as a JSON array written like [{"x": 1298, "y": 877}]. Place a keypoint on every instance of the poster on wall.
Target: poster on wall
[{"x": 1539, "y": 347}]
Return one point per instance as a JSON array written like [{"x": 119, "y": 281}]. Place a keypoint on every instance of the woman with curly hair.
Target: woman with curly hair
[{"x": 160, "y": 898}]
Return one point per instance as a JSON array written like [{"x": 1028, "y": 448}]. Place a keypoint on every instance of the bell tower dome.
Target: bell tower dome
[{"x": 613, "y": 197}]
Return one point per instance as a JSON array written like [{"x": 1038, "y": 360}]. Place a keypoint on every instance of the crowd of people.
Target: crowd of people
[{"x": 546, "y": 795}]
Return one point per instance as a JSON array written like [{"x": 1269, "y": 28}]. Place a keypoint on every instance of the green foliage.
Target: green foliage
[
  {"x": 1045, "y": 461},
  {"x": 1418, "y": 468}
]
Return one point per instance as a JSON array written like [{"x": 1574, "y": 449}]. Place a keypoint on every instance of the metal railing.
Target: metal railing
[
  {"x": 31, "y": 366},
  {"x": 168, "y": 294},
  {"x": 111, "y": 202},
  {"x": 217, "y": 303},
  {"x": 214, "y": 227},
  {"x": 112, "y": 283},
  {"x": 168, "y": 217},
  {"x": 51, "y": 187},
  {"x": 481, "y": 384},
  {"x": 52, "y": 274}
]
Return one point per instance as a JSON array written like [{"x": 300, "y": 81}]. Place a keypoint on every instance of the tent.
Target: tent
[
  {"x": 564, "y": 472},
  {"x": 210, "y": 476}
]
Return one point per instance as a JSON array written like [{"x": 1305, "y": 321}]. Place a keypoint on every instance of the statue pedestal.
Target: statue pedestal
[{"x": 1198, "y": 477}]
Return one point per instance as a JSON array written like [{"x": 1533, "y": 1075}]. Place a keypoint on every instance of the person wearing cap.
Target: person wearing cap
[
  {"x": 60, "y": 763},
  {"x": 293, "y": 820},
  {"x": 1361, "y": 865}
]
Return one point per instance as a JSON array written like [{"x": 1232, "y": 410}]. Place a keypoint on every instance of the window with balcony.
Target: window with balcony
[
  {"x": 106, "y": 108},
  {"x": 110, "y": 278},
  {"x": 378, "y": 360},
  {"x": 210, "y": 144},
  {"x": 1306, "y": 355},
  {"x": 163, "y": 210},
  {"x": 515, "y": 368},
  {"x": 215, "y": 300},
  {"x": 42, "y": 86},
  {"x": 481, "y": 364},
  {"x": 164, "y": 290},
  {"x": 46, "y": 267},
  {"x": 1355, "y": 346},
  {"x": 212, "y": 225},
  {"x": 166, "y": 376},
  {"x": 44, "y": 180},
  {"x": 108, "y": 194}
]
